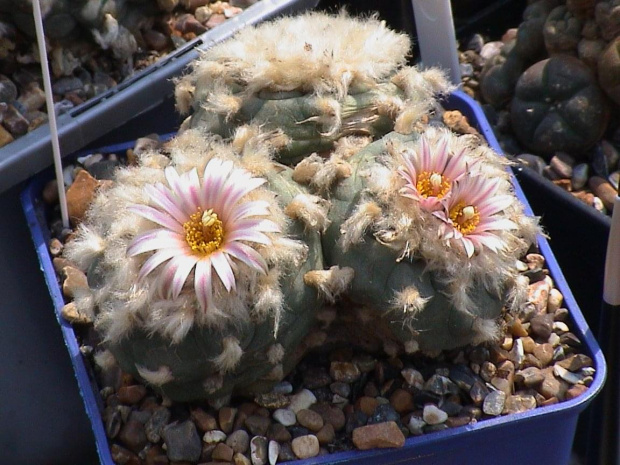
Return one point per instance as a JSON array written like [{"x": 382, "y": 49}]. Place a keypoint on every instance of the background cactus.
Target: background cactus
[{"x": 311, "y": 80}]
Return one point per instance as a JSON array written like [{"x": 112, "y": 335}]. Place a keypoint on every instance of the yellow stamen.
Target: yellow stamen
[
  {"x": 465, "y": 217},
  {"x": 204, "y": 232},
  {"x": 431, "y": 184}
]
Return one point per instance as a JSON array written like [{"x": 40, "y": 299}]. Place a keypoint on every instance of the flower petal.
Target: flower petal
[
  {"x": 203, "y": 284},
  {"x": 155, "y": 239},
  {"x": 223, "y": 270},
  {"x": 252, "y": 208},
  {"x": 162, "y": 197},
  {"x": 247, "y": 255},
  {"x": 185, "y": 264},
  {"x": 155, "y": 260},
  {"x": 247, "y": 235},
  {"x": 157, "y": 216}
]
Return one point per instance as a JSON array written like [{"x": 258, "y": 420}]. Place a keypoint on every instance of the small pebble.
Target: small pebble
[
  {"x": 433, "y": 415},
  {"x": 379, "y": 435},
  {"x": 306, "y": 446},
  {"x": 494, "y": 403},
  {"x": 303, "y": 399},
  {"x": 259, "y": 452}
]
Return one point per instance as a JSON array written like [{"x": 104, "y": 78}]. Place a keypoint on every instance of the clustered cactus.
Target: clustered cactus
[{"x": 209, "y": 262}]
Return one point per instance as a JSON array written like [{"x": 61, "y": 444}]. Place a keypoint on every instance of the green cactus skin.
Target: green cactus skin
[{"x": 301, "y": 119}]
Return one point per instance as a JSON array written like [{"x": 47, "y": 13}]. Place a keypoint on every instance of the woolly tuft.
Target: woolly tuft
[
  {"x": 354, "y": 228},
  {"x": 309, "y": 209},
  {"x": 315, "y": 52},
  {"x": 230, "y": 356},
  {"x": 157, "y": 377},
  {"x": 330, "y": 283}
]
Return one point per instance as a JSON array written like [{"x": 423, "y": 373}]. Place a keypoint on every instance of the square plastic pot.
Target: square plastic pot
[
  {"x": 145, "y": 90},
  {"x": 542, "y": 435}
]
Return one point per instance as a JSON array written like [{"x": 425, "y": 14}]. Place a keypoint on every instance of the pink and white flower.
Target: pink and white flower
[
  {"x": 204, "y": 225},
  {"x": 430, "y": 172},
  {"x": 472, "y": 213}
]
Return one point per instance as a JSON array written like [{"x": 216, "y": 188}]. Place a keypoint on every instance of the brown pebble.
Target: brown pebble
[
  {"x": 222, "y": 452},
  {"x": 124, "y": 456},
  {"x": 402, "y": 401},
  {"x": 257, "y": 424},
  {"x": 71, "y": 313},
  {"x": 326, "y": 434},
  {"x": 239, "y": 441},
  {"x": 344, "y": 371},
  {"x": 603, "y": 190},
  {"x": 75, "y": 281},
  {"x": 215, "y": 20},
  {"x": 544, "y": 353},
  {"x": 5, "y": 137},
  {"x": 79, "y": 195},
  {"x": 155, "y": 39},
  {"x": 131, "y": 395},
  {"x": 528, "y": 344},
  {"x": 278, "y": 432},
  {"x": 576, "y": 362},
  {"x": 55, "y": 247},
  {"x": 517, "y": 329},
  {"x": 454, "y": 422},
  {"x": 306, "y": 446},
  {"x": 455, "y": 120},
  {"x": 240, "y": 459},
  {"x": 50, "y": 192},
  {"x": 133, "y": 436},
  {"x": 575, "y": 391},
  {"x": 332, "y": 415},
  {"x": 367, "y": 404},
  {"x": 310, "y": 419},
  {"x": 226, "y": 418},
  {"x": 519, "y": 403},
  {"x": 378, "y": 435},
  {"x": 204, "y": 422}
]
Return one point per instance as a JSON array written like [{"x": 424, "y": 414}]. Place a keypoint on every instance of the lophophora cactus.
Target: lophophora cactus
[
  {"x": 195, "y": 271},
  {"x": 209, "y": 263},
  {"x": 310, "y": 80}
]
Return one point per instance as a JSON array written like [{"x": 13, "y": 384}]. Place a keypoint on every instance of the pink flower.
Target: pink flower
[
  {"x": 472, "y": 213},
  {"x": 430, "y": 172},
  {"x": 204, "y": 225}
]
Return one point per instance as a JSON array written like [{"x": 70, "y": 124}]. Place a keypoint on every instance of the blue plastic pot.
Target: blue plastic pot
[{"x": 542, "y": 435}]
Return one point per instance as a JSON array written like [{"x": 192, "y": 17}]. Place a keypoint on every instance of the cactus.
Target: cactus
[
  {"x": 436, "y": 279},
  {"x": 209, "y": 263},
  {"x": 189, "y": 323},
  {"x": 310, "y": 80}
]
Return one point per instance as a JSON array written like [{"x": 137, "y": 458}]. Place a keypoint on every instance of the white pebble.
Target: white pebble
[
  {"x": 303, "y": 399},
  {"x": 566, "y": 375},
  {"x": 213, "y": 437},
  {"x": 416, "y": 425},
  {"x": 305, "y": 447},
  {"x": 413, "y": 377},
  {"x": 283, "y": 388},
  {"x": 274, "y": 451},
  {"x": 434, "y": 415},
  {"x": 560, "y": 326},
  {"x": 285, "y": 416}
]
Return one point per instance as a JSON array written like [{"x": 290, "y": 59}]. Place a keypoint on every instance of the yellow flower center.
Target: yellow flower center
[
  {"x": 204, "y": 232},
  {"x": 465, "y": 218},
  {"x": 431, "y": 184}
]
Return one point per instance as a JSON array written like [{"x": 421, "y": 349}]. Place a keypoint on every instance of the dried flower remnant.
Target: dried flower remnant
[
  {"x": 430, "y": 172},
  {"x": 204, "y": 226}
]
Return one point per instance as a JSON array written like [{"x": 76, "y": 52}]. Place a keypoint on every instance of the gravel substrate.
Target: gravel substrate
[
  {"x": 88, "y": 58},
  {"x": 346, "y": 395}
]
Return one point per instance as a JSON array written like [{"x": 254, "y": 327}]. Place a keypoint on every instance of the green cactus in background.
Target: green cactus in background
[{"x": 310, "y": 80}]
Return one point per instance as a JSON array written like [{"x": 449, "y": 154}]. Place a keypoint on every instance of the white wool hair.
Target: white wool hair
[
  {"x": 158, "y": 377},
  {"x": 275, "y": 353},
  {"x": 354, "y": 227},
  {"x": 409, "y": 302},
  {"x": 84, "y": 302},
  {"x": 486, "y": 330},
  {"x": 330, "y": 283},
  {"x": 306, "y": 169},
  {"x": 315, "y": 51},
  {"x": 230, "y": 356},
  {"x": 183, "y": 95},
  {"x": 412, "y": 346},
  {"x": 222, "y": 101},
  {"x": 347, "y": 146},
  {"x": 310, "y": 210},
  {"x": 84, "y": 247},
  {"x": 105, "y": 360},
  {"x": 330, "y": 172}
]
